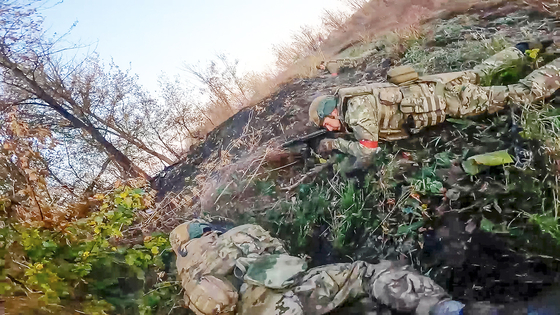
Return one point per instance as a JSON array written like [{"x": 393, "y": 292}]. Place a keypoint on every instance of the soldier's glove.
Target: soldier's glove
[{"x": 326, "y": 146}]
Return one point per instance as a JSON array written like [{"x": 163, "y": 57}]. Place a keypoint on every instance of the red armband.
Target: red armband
[{"x": 369, "y": 144}]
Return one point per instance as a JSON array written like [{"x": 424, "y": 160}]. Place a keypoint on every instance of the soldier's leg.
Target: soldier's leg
[
  {"x": 324, "y": 288},
  {"x": 499, "y": 62},
  {"x": 472, "y": 99},
  {"x": 538, "y": 85}
]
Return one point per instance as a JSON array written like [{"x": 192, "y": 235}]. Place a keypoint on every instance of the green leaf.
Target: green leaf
[
  {"x": 435, "y": 187},
  {"x": 405, "y": 229},
  {"x": 408, "y": 210},
  {"x": 128, "y": 202},
  {"x": 442, "y": 159},
  {"x": 493, "y": 158},
  {"x": 49, "y": 244},
  {"x": 471, "y": 167},
  {"x": 463, "y": 123},
  {"x": 472, "y": 164},
  {"x": 140, "y": 274},
  {"x": 486, "y": 225},
  {"x": 130, "y": 259}
]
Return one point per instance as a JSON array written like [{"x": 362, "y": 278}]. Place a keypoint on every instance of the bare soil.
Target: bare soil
[{"x": 472, "y": 265}]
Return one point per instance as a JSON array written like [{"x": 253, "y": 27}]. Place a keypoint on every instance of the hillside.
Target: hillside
[{"x": 482, "y": 237}]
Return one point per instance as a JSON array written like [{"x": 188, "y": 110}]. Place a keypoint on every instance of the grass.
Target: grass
[
  {"x": 384, "y": 211},
  {"x": 459, "y": 56},
  {"x": 343, "y": 211},
  {"x": 395, "y": 201}
]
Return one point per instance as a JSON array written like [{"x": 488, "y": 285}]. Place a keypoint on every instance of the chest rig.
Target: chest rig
[
  {"x": 424, "y": 102},
  {"x": 384, "y": 100},
  {"x": 424, "y": 99}
]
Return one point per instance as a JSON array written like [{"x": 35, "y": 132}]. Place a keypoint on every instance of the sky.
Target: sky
[{"x": 152, "y": 37}]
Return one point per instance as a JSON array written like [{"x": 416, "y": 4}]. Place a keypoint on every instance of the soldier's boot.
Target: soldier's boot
[{"x": 538, "y": 85}]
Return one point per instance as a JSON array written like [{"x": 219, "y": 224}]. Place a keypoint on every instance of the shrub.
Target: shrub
[{"x": 86, "y": 265}]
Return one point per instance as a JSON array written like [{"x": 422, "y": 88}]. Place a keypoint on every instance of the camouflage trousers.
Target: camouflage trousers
[
  {"x": 322, "y": 289},
  {"x": 472, "y": 99}
]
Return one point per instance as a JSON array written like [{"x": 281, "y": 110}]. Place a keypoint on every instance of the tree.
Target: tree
[
  {"x": 68, "y": 95},
  {"x": 226, "y": 89},
  {"x": 22, "y": 167},
  {"x": 185, "y": 118}
]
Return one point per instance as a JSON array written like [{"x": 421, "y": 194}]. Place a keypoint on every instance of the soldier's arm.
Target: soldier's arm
[
  {"x": 404, "y": 289},
  {"x": 363, "y": 148},
  {"x": 366, "y": 131}
]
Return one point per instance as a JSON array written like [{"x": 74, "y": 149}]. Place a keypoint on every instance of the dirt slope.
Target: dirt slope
[{"x": 240, "y": 173}]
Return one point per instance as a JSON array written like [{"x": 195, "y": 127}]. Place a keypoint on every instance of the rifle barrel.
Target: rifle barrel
[{"x": 305, "y": 138}]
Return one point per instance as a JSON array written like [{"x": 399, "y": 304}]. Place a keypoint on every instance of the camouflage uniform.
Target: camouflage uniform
[
  {"x": 333, "y": 66},
  {"x": 379, "y": 111},
  {"x": 246, "y": 271}
]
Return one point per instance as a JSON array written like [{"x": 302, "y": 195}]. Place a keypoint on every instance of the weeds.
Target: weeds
[
  {"x": 462, "y": 55},
  {"x": 85, "y": 265}
]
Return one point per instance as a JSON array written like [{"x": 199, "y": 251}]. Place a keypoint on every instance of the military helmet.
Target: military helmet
[
  {"x": 187, "y": 231},
  {"x": 320, "y": 108}
]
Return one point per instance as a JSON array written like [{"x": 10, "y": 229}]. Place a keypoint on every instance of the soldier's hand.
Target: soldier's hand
[{"x": 326, "y": 146}]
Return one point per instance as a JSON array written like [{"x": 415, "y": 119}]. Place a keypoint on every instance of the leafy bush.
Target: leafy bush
[{"x": 86, "y": 265}]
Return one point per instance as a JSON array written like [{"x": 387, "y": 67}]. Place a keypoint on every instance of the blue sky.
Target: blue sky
[{"x": 151, "y": 37}]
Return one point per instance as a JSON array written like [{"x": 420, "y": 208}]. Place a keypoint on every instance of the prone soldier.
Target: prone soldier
[
  {"x": 335, "y": 65},
  {"x": 246, "y": 271},
  {"x": 388, "y": 112}
]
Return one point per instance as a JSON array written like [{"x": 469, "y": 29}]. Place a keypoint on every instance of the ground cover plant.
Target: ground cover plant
[{"x": 85, "y": 266}]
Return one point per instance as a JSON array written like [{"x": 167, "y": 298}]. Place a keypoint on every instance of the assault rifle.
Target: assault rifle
[{"x": 304, "y": 139}]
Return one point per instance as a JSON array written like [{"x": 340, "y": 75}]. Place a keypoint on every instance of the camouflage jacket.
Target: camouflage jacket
[
  {"x": 207, "y": 270},
  {"x": 246, "y": 271},
  {"x": 379, "y": 111}
]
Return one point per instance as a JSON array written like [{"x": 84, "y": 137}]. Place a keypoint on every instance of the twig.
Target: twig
[
  {"x": 403, "y": 197},
  {"x": 172, "y": 307},
  {"x": 278, "y": 168},
  {"x": 332, "y": 186},
  {"x": 314, "y": 171},
  {"x": 223, "y": 191},
  {"x": 17, "y": 262},
  {"x": 256, "y": 170}
]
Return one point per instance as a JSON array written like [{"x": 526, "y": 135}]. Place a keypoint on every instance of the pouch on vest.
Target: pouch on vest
[
  {"x": 425, "y": 103},
  {"x": 402, "y": 74},
  {"x": 274, "y": 271},
  {"x": 418, "y": 98}
]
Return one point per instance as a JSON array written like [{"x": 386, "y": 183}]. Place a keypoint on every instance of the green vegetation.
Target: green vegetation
[
  {"x": 412, "y": 183},
  {"x": 99, "y": 261},
  {"x": 86, "y": 265}
]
